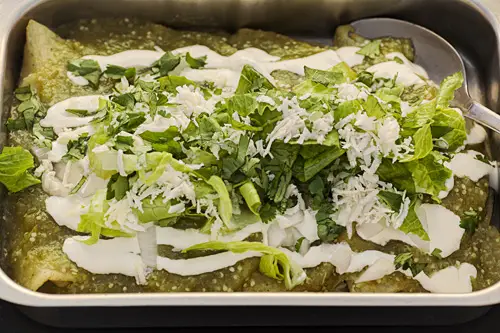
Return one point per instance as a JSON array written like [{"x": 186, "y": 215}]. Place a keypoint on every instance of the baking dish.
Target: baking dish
[{"x": 317, "y": 21}]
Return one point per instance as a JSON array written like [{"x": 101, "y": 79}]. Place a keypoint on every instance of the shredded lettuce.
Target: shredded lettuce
[
  {"x": 372, "y": 49},
  {"x": 225, "y": 206},
  {"x": 93, "y": 221},
  {"x": 274, "y": 263},
  {"x": 251, "y": 197},
  {"x": 14, "y": 165},
  {"x": 154, "y": 210}
]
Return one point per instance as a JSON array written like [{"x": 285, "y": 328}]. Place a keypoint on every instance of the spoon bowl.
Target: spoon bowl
[{"x": 438, "y": 57}]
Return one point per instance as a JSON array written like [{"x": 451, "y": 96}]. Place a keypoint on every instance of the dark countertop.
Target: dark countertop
[{"x": 13, "y": 321}]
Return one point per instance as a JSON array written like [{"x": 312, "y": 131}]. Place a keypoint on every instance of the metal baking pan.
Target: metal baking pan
[{"x": 468, "y": 25}]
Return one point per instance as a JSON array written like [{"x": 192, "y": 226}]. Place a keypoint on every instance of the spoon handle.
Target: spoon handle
[{"x": 484, "y": 116}]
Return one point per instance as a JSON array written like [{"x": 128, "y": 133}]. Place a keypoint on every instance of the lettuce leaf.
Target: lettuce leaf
[
  {"x": 323, "y": 77},
  {"x": 14, "y": 165},
  {"x": 313, "y": 88},
  {"x": 316, "y": 164},
  {"x": 251, "y": 197},
  {"x": 225, "y": 206},
  {"x": 396, "y": 173},
  {"x": 373, "y": 107},
  {"x": 429, "y": 175},
  {"x": 154, "y": 210},
  {"x": 339, "y": 73},
  {"x": 420, "y": 116},
  {"x": 93, "y": 221},
  {"x": 449, "y": 127},
  {"x": 422, "y": 140},
  {"x": 372, "y": 49},
  {"x": 411, "y": 224},
  {"x": 252, "y": 81},
  {"x": 346, "y": 108},
  {"x": 447, "y": 90},
  {"x": 274, "y": 263}
]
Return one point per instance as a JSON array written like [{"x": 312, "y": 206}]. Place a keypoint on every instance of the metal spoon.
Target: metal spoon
[{"x": 436, "y": 56}]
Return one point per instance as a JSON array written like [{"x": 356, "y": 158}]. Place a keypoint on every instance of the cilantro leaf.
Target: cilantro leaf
[
  {"x": 167, "y": 63},
  {"x": 88, "y": 69},
  {"x": 470, "y": 221},
  {"x": 406, "y": 261},
  {"x": 117, "y": 187},
  {"x": 328, "y": 230},
  {"x": 437, "y": 253},
  {"x": 77, "y": 148},
  {"x": 126, "y": 100},
  {"x": 232, "y": 163},
  {"x": 196, "y": 62},
  {"x": 116, "y": 72}
]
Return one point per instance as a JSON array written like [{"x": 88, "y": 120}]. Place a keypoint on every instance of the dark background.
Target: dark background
[{"x": 13, "y": 321}]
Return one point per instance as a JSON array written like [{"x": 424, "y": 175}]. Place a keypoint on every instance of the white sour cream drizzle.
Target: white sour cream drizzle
[
  {"x": 467, "y": 165},
  {"x": 349, "y": 56},
  {"x": 123, "y": 255},
  {"x": 408, "y": 73},
  {"x": 58, "y": 118},
  {"x": 66, "y": 211},
  {"x": 449, "y": 280},
  {"x": 224, "y": 71},
  {"x": 129, "y": 58},
  {"x": 441, "y": 225},
  {"x": 182, "y": 239},
  {"x": 476, "y": 135},
  {"x": 113, "y": 256}
]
